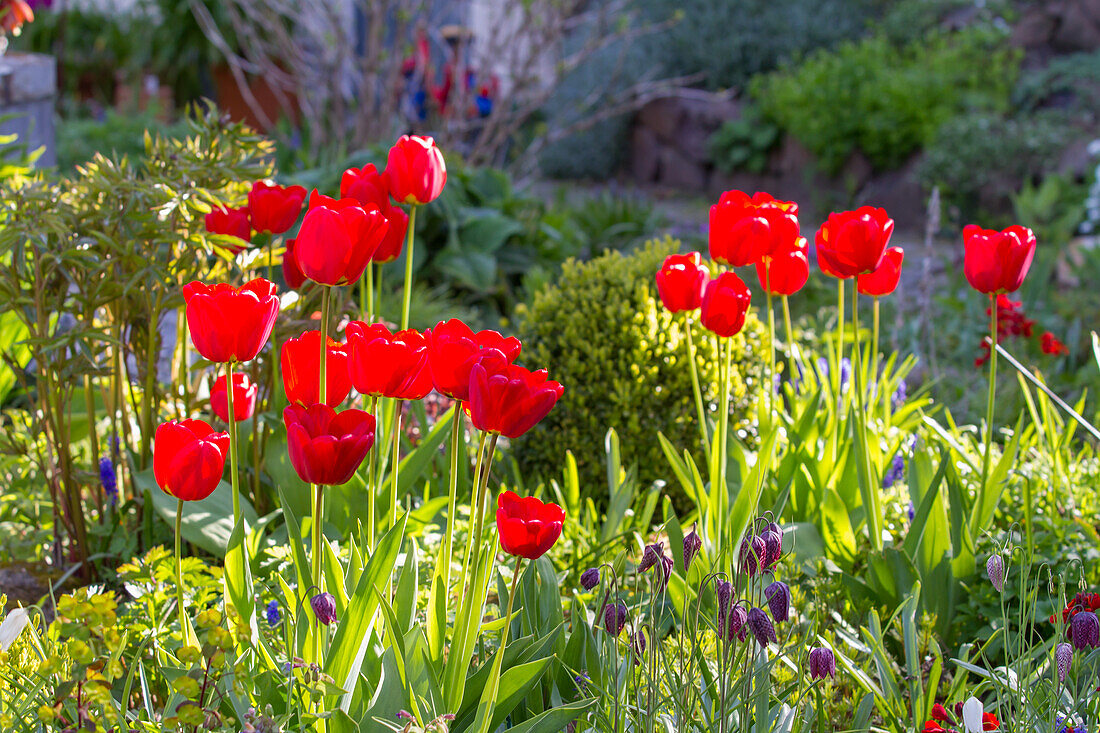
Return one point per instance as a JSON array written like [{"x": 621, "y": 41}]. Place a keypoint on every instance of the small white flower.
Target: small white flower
[
  {"x": 13, "y": 626},
  {"x": 972, "y": 715}
]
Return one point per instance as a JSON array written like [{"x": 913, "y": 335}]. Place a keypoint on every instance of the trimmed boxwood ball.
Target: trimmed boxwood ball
[{"x": 601, "y": 331}]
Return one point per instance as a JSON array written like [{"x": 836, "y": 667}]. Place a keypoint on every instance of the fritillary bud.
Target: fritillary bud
[
  {"x": 651, "y": 556},
  {"x": 1063, "y": 655},
  {"x": 723, "y": 592},
  {"x": 692, "y": 544},
  {"x": 736, "y": 628},
  {"x": 637, "y": 642},
  {"x": 614, "y": 618},
  {"x": 666, "y": 573},
  {"x": 773, "y": 549},
  {"x": 590, "y": 578},
  {"x": 778, "y": 595},
  {"x": 995, "y": 567},
  {"x": 752, "y": 553},
  {"x": 324, "y": 608}
]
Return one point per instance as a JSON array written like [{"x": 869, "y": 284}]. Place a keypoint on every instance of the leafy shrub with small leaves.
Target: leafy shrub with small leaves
[
  {"x": 744, "y": 143},
  {"x": 602, "y": 332}
]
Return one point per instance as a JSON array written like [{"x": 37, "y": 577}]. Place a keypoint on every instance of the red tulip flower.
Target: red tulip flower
[
  {"x": 369, "y": 187},
  {"x": 528, "y": 527},
  {"x": 244, "y": 398},
  {"x": 681, "y": 281},
  {"x": 189, "y": 458},
  {"x": 1050, "y": 344},
  {"x": 301, "y": 366},
  {"x": 509, "y": 400},
  {"x": 415, "y": 170},
  {"x": 326, "y": 447},
  {"x": 274, "y": 208},
  {"x": 230, "y": 324},
  {"x": 231, "y": 223},
  {"x": 997, "y": 262},
  {"x": 883, "y": 280},
  {"x": 745, "y": 228},
  {"x": 394, "y": 241},
  {"x": 725, "y": 303},
  {"x": 454, "y": 348},
  {"x": 786, "y": 270},
  {"x": 384, "y": 364},
  {"x": 852, "y": 243},
  {"x": 337, "y": 239},
  {"x": 292, "y": 274}
]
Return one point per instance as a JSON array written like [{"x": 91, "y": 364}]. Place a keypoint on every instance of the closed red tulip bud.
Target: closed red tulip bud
[
  {"x": 244, "y": 398},
  {"x": 189, "y": 458},
  {"x": 997, "y": 262},
  {"x": 786, "y": 270},
  {"x": 384, "y": 364},
  {"x": 292, "y": 274},
  {"x": 301, "y": 366},
  {"x": 725, "y": 303},
  {"x": 231, "y": 223},
  {"x": 415, "y": 170},
  {"x": 883, "y": 280},
  {"x": 527, "y": 527},
  {"x": 327, "y": 447},
  {"x": 512, "y": 400},
  {"x": 851, "y": 243},
  {"x": 229, "y": 324},
  {"x": 681, "y": 281},
  {"x": 337, "y": 239},
  {"x": 454, "y": 348},
  {"x": 274, "y": 208},
  {"x": 745, "y": 228}
]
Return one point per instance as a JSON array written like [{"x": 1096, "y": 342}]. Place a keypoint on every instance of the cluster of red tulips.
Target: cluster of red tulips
[{"x": 337, "y": 240}]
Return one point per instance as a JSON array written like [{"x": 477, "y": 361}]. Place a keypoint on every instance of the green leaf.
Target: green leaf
[
  {"x": 208, "y": 523},
  {"x": 557, "y": 718},
  {"x": 238, "y": 578}
]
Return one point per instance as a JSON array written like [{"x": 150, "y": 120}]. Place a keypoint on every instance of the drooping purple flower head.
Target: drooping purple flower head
[
  {"x": 324, "y": 608},
  {"x": 723, "y": 593},
  {"x": 738, "y": 615},
  {"x": 761, "y": 627},
  {"x": 637, "y": 643},
  {"x": 589, "y": 578},
  {"x": 778, "y": 595},
  {"x": 751, "y": 554},
  {"x": 651, "y": 556},
  {"x": 773, "y": 548},
  {"x": 614, "y": 618},
  {"x": 1063, "y": 656},
  {"x": 822, "y": 663},
  {"x": 665, "y": 573},
  {"x": 1084, "y": 630},
  {"x": 692, "y": 544},
  {"x": 995, "y": 567}
]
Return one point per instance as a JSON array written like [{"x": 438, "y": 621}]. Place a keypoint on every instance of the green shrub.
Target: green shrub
[
  {"x": 744, "y": 143},
  {"x": 1069, "y": 82},
  {"x": 601, "y": 332},
  {"x": 884, "y": 100}
]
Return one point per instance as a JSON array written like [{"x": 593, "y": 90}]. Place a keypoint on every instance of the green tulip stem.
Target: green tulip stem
[
  {"x": 179, "y": 572},
  {"x": 986, "y": 454},
  {"x": 839, "y": 336},
  {"x": 408, "y": 268},
  {"x": 232, "y": 444},
  {"x": 790, "y": 337},
  {"x": 771, "y": 337},
  {"x": 317, "y": 528},
  {"x": 458, "y": 424},
  {"x": 725, "y": 350},
  {"x": 270, "y": 256},
  {"x": 395, "y": 445},
  {"x": 698, "y": 394},
  {"x": 871, "y": 494},
  {"x": 874, "y": 348},
  {"x": 370, "y": 292},
  {"x": 372, "y": 466}
]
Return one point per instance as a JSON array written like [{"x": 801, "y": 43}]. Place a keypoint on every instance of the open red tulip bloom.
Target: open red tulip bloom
[
  {"x": 785, "y": 271},
  {"x": 997, "y": 262},
  {"x": 851, "y": 243},
  {"x": 527, "y": 527},
  {"x": 509, "y": 400},
  {"x": 189, "y": 458},
  {"x": 337, "y": 239},
  {"x": 244, "y": 398},
  {"x": 415, "y": 171},
  {"x": 301, "y": 366},
  {"x": 725, "y": 303},
  {"x": 292, "y": 274},
  {"x": 454, "y": 348},
  {"x": 230, "y": 222},
  {"x": 884, "y": 280},
  {"x": 274, "y": 208},
  {"x": 327, "y": 447},
  {"x": 681, "y": 282},
  {"x": 369, "y": 187},
  {"x": 384, "y": 364},
  {"x": 745, "y": 228},
  {"x": 230, "y": 324}
]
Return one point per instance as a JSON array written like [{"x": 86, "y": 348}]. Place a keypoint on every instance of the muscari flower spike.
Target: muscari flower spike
[{"x": 272, "y": 613}]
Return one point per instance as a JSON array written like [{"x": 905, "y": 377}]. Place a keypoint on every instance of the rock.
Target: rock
[
  {"x": 645, "y": 163},
  {"x": 662, "y": 116},
  {"x": 1034, "y": 29},
  {"x": 680, "y": 171},
  {"x": 1078, "y": 29}
]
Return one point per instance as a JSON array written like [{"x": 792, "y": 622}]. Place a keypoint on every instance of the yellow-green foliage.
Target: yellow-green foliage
[{"x": 602, "y": 332}]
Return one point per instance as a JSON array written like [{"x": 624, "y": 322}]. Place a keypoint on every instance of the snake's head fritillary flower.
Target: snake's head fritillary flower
[
  {"x": 590, "y": 578},
  {"x": 995, "y": 568},
  {"x": 822, "y": 663},
  {"x": 614, "y": 618},
  {"x": 761, "y": 627},
  {"x": 324, "y": 608},
  {"x": 1063, "y": 656},
  {"x": 778, "y": 596},
  {"x": 692, "y": 544},
  {"x": 651, "y": 556}
]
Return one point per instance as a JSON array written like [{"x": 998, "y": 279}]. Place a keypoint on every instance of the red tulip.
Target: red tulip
[
  {"x": 681, "y": 281},
  {"x": 454, "y": 348},
  {"x": 274, "y": 208},
  {"x": 786, "y": 270},
  {"x": 851, "y": 243},
  {"x": 997, "y": 262},
  {"x": 367, "y": 186},
  {"x": 883, "y": 280},
  {"x": 511, "y": 400},
  {"x": 231, "y": 223},
  {"x": 528, "y": 528},
  {"x": 301, "y": 366},
  {"x": 230, "y": 324},
  {"x": 1050, "y": 344},
  {"x": 384, "y": 364},
  {"x": 189, "y": 458},
  {"x": 391, "y": 246},
  {"x": 326, "y": 447},
  {"x": 990, "y": 722},
  {"x": 244, "y": 398},
  {"x": 337, "y": 239},
  {"x": 292, "y": 274},
  {"x": 745, "y": 228},
  {"x": 725, "y": 303},
  {"x": 415, "y": 171}
]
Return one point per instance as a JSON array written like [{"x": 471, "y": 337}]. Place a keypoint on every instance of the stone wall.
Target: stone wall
[{"x": 1058, "y": 26}]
